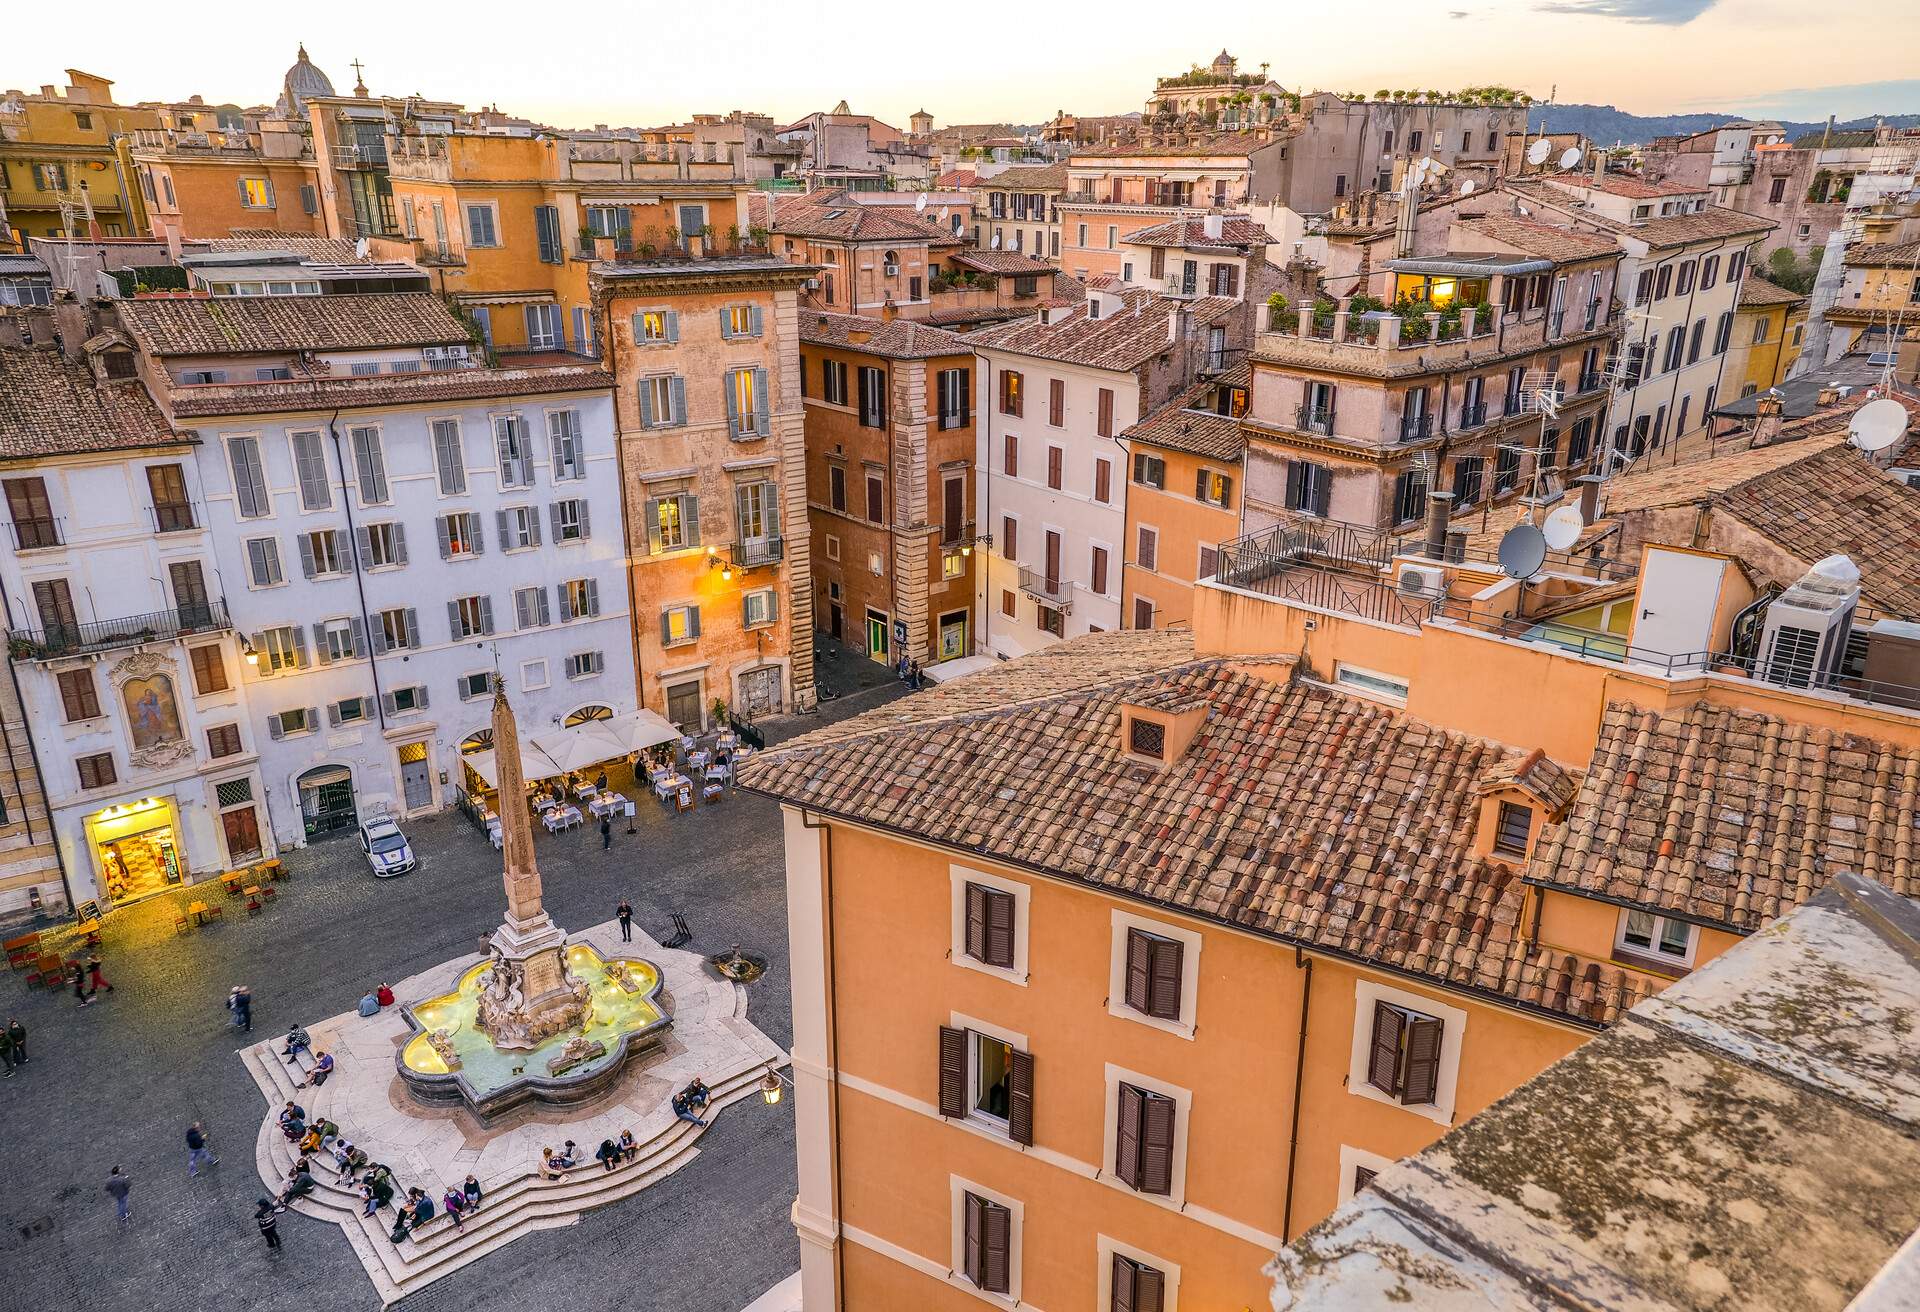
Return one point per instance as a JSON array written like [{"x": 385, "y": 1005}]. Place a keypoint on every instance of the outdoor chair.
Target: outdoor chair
[{"x": 180, "y": 923}]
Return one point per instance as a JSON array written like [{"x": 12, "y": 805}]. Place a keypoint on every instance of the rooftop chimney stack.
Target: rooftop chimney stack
[{"x": 1439, "y": 510}]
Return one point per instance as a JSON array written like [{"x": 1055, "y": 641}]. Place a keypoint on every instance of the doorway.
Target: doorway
[
  {"x": 138, "y": 850},
  {"x": 326, "y": 801},
  {"x": 416, "y": 778},
  {"x": 877, "y": 636},
  {"x": 760, "y": 691},
  {"x": 242, "y": 831},
  {"x": 683, "y": 705},
  {"x": 953, "y": 635}
]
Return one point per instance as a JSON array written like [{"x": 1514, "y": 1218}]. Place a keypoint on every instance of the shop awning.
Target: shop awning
[
  {"x": 534, "y": 765},
  {"x": 592, "y": 742},
  {"x": 638, "y": 730}
]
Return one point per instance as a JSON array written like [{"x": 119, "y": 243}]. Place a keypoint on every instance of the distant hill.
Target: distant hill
[{"x": 1606, "y": 125}]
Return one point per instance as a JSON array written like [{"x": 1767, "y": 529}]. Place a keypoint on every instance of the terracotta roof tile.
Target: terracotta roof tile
[
  {"x": 1189, "y": 422},
  {"x": 329, "y": 250},
  {"x": 1237, "y": 231},
  {"x": 834, "y": 215},
  {"x": 903, "y": 339},
  {"x": 1549, "y": 241},
  {"x": 1731, "y": 817},
  {"x": 1045, "y": 177},
  {"x": 51, "y": 407},
  {"x": 1756, "y": 291},
  {"x": 319, "y": 393},
  {"x": 1883, "y": 255},
  {"x": 1619, "y": 184},
  {"x": 239, "y": 325},
  {"x": 1012, "y": 262},
  {"x": 1124, "y": 339},
  {"x": 1297, "y": 812}
]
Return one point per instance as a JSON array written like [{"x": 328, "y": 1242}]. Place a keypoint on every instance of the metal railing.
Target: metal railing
[
  {"x": 1416, "y": 428},
  {"x": 759, "y": 551},
  {"x": 360, "y": 157},
  {"x": 1473, "y": 416},
  {"x": 128, "y": 631},
  {"x": 174, "y": 517},
  {"x": 1053, "y": 591},
  {"x": 33, "y": 534},
  {"x": 1252, "y": 565},
  {"x": 1314, "y": 419},
  {"x": 1300, "y": 538}
]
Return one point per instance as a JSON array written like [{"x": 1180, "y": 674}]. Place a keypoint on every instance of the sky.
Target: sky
[{"x": 620, "y": 64}]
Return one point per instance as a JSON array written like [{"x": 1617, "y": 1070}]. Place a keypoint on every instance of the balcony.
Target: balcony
[
  {"x": 1416, "y": 428},
  {"x": 130, "y": 631},
  {"x": 1055, "y": 592},
  {"x": 1314, "y": 419},
  {"x": 37, "y": 534},
  {"x": 1473, "y": 416},
  {"x": 1589, "y": 383},
  {"x": 758, "y": 551},
  {"x": 174, "y": 517},
  {"x": 363, "y": 156}
]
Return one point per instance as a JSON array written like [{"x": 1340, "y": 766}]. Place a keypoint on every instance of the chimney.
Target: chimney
[
  {"x": 1589, "y": 496},
  {"x": 1599, "y": 164},
  {"x": 10, "y": 325},
  {"x": 1829, "y": 395},
  {"x": 1439, "y": 508},
  {"x": 1827, "y": 136},
  {"x": 1176, "y": 324},
  {"x": 70, "y": 320},
  {"x": 889, "y": 311}
]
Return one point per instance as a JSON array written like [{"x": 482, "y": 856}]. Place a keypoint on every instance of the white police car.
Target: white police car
[{"x": 386, "y": 847}]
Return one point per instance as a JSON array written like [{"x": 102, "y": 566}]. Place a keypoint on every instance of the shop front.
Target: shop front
[{"x": 137, "y": 849}]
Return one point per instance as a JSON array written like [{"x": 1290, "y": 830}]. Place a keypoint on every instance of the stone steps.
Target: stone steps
[{"x": 520, "y": 1206}]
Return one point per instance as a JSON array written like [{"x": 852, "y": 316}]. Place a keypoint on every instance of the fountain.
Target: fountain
[{"x": 541, "y": 1019}]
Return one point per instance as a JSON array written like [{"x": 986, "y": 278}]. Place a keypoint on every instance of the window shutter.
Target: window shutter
[
  {"x": 974, "y": 1227},
  {"x": 442, "y": 528},
  {"x": 1123, "y": 1285},
  {"x": 420, "y": 698},
  {"x": 333, "y": 714},
  {"x": 299, "y": 648},
  {"x": 1139, "y": 972},
  {"x": 733, "y": 404},
  {"x": 726, "y": 322},
  {"x": 486, "y": 614},
  {"x": 386, "y": 703},
  {"x": 996, "y": 1247},
  {"x": 453, "y": 620},
  {"x": 380, "y": 639},
  {"x": 953, "y": 1062},
  {"x": 546, "y": 613},
  {"x": 1126, "y": 1135},
  {"x": 1149, "y": 1289},
  {"x": 533, "y": 526},
  {"x": 413, "y": 627},
  {"x": 473, "y": 531},
  {"x": 678, "y": 418},
  {"x": 357, "y": 629},
  {"x": 693, "y": 620},
  {"x": 1296, "y": 483},
  {"x": 1423, "y": 1061},
  {"x": 1164, "y": 958},
  {"x": 673, "y": 325},
  {"x": 566, "y": 605},
  {"x": 320, "y": 644},
  {"x": 593, "y": 597},
  {"x": 522, "y": 611},
  {"x": 666, "y": 627},
  {"x": 999, "y": 941},
  {"x": 306, "y": 555},
  {"x": 553, "y": 519},
  {"x": 976, "y": 944},
  {"x": 586, "y": 526},
  {"x": 690, "y": 517},
  {"x": 1226, "y": 488},
  {"x": 759, "y": 328},
  {"x": 1156, "y": 1144},
  {"x": 363, "y": 538},
  {"x": 274, "y": 730},
  {"x": 1383, "y": 1062},
  {"x": 1200, "y": 484},
  {"x": 500, "y": 526},
  {"x": 653, "y": 525},
  {"x": 1020, "y": 1098},
  {"x": 646, "y": 404},
  {"x": 399, "y": 544},
  {"x": 762, "y": 403}
]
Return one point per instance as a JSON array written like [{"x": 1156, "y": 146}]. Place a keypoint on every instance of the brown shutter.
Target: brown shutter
[
  {"x": 1163, "y": 959},
  {"x": 1105, "y": 422},
  {"x": 975, "y": 1245},
  {"x": 953, "y": 1072},
  {"x": 997, "y": 940},
  {"x": 1126, "y": 1135},
  {"x": 976, "y": 922},
  {"x": 1100, "y": 569},
  {"x": 1020, "y": 1098},
  {"x": 1139, "y": 972},
  {"x": 1423, "y": 1060},
  {"x": 996, "y": 1245},
  {"x": 1156, "y": 1145},
  {"x": 1233, "y": 279},
  {"x": 1056, "y": 402},
  {"x": 1054, "y": 458},
  {"x": 1123, "y": 1285},
  {"x": 1149, "y": 1289},
  {"x": 1011, "y": 466},
  {"x": 1383, "y": 1063}
]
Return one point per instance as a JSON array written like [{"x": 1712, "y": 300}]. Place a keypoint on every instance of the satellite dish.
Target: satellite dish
[
  {"x": 1877, "y": 425},
  {"x": 1570, "y": 157},
  {"x": 1537, "y": 153},
  {"x": 995, "y": 243},
  {"x": 920, "y": 203},
  {"x": 1523, "y": 551},
  {"x": 1563, "y": 528},
  {"x": 1466, "y": 188}
]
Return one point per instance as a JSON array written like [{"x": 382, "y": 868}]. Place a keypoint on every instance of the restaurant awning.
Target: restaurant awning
[
  {"x": 534, "y": 765},
  {"x": 638, "y": 730}
]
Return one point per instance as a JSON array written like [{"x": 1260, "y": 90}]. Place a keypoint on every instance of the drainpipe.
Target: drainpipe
[
  {"x": 1300, "y": 962},
  {"x": 833, "y": 1064},
  {"x": 359, "y": 579}
]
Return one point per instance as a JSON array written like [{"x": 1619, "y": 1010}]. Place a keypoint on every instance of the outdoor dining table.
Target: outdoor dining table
[
  {"x": 717, "y": 772},
  {"x": 584, "y": 790},
  {"x": 561, "y": 817},
  {"x": 198, "y": 910},
  {"x": 493, "y": 836},
  {"x": 544, "y": 803},
  {"x": 698, "y": 759},
  {"x": 608, "y": 804},
  {"x": 667, "y": 787}
]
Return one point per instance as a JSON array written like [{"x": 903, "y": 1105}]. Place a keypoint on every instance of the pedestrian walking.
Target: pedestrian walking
[
  {"x": 118, "y": 1186},
  {"x": 240, "y": 1003},
  {"x": 267, "y": 1217},
  {"x": 95, "y": 980},
  {"x": 18, "y": 1033},
  {"x": 197, "y": 1150},
  {"x": 6, "y": 1051},
  {"x": 606, "y": 831},
  {"x": 78, "y": 975},
  {"x": 625, "y": 912}
]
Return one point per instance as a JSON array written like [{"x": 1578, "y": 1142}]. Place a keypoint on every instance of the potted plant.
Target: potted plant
[
  {"x": 1276, "y": 311},
  {"x": 718, "y": 710}
]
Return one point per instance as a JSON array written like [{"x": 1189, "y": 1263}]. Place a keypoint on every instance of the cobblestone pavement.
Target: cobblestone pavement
[{"x": 118, "y": 1081}]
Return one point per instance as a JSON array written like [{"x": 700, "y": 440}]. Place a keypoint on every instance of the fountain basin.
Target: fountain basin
[{"x": 623, "y": 1023}]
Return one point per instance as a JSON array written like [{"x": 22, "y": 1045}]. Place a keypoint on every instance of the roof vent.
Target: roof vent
[
  {"x": 1214, "y": 226},
  {"x": 1157, "y": 728}
]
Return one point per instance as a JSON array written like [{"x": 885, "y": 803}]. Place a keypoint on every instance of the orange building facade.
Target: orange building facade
[{"x": 1183, "y": 498}]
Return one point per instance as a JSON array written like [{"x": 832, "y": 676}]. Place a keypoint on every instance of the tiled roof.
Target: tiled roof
[
  {"x": 329, "y": 250},
  {"x": 1883, "y": 255},
  {"x": 1297, "y": 812},
  {"x": 1124, "y": 339},
  {"x": 1066, "y": 287},
  {"x": 1710, "y": 224},
  {"x": 1001, "y": 262},
  {"x": 1189, "y": 423},
  {"x": 304, "y": 394},
  {"x": 955, "y": 180},
  {"x": 1731, "y": 817},
  {"x": 1549, "y": 241},
  {"x": 1839, "y": 501},
  {"x": 239, "y": 325},
  {"x": 50, "y": 407},
  {"x": 902, "y": 339},
  {"x": 1047, "y": 177},
  {"x": 1534, "y": 773},
  {"x": 835, "y": 216},
  {"x": 1756, "y": 292},
  {"x": 1237, "y": 231},
  {"x": 1619, "y": 184},
  {"x": 1847, "y": 140},
  {"x": 1212, "y": 143}
]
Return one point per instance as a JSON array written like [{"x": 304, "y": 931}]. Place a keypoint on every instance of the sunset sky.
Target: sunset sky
[{"x": 574, "y": 66}]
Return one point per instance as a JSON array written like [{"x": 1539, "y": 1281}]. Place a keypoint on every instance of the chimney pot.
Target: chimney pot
[
  {"x": 1589, "y": 496},
  {"x": 1439, "y": 509}
]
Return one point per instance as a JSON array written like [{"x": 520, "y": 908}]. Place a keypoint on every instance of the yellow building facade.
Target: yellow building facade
[
  {"x": 1769, "y": 328},
  {"x": 65, "y": 166}
]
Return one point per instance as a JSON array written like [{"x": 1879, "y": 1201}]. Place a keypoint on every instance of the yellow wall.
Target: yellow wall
[
  {"x": 1184, "y": 524},
  {"x": 1756, "y": 366}
]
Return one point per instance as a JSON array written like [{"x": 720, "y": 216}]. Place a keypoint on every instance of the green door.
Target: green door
[{"x": 877, "y": 636}]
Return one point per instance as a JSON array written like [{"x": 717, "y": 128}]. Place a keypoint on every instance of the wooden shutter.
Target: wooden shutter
[
  {"x": 1123, "y": 1298},
  {"x": 679, "y": 418},
  {"x": 1136, "y": 1286},
  {"x": 413, "y": 627},
  {"x": 442, "y": 527},
  {"x": 1011, "y": 466},
  {"x": 1103, "y": 478},
  {"x": 996, "y": 1248},
  {"x": 974, "y": 1246},
  {"x": 1126, "y": 1135},
  {"x": 1383, "y": 1061},
  {"x": 998, "y": 906},
  {"x": 1423, "y": 1060},
  {"x": 1056, "y": 458},
  {"x": 1020, "y": 1095},
  {"x": 645, "y": 392},
  {"x": 726, "y": 321},
  {"x": 1156, "y": 1144},
  {"x": 953, "y": 1072},
  {"x": 1139, "y": 971},
  {"x": 1164, "y": 956},
  {"x": 976, "y": 944},
  {"x": 1099, "y": 580},
  {"x": 1296, "y": 485},
  {"x": 733, "y": 402},
  {"x": 953, "y": 508},
  {"x": 320, "y": 644},
  {"x": 1056, "y": 402},
  {"x": 1104, "y": 420},
  {"x": 1200, "y": 485},
  {"x": 762, "y": 404}
]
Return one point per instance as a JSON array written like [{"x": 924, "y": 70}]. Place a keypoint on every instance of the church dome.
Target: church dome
[{"x": 303, "y": 82}]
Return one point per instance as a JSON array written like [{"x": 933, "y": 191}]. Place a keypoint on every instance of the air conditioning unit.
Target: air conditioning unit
[
  {"x": 811, "y": 284},
  {"x": 1804, "y": 641},
  {"x": 444, "y": 353},
  {"x": 1911, "y": 477},
  {"x": 1421, "y": 581}
]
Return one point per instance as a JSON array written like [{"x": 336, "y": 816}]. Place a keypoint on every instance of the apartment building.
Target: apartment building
[
  {"x": 203, "y": 173},
  {"x": 1219, "y": 92},
  {"x": 1769, "y": 329},
  {"x": 890, "y": 479},
  {"x": 1118, "y": 189},
  {"x": 1802, "y": 186},
  {"x": 1681, "y": 271},
  {"x": 867, "y": 260},
  {"x": 1878, "y": 302},
  {"x": 1054, "y": 392},
  {"x": 32, "y": 879},
  {"x": 1190, "y": 455},
  {"x": 1429, "y": 376},
  {"x": 1053, "y": 1087},
  {"x": 393, "y": 523},
  {"x": 1017, "y": 208},
  {"x": 64, "y": 166},
  {"x": 1205, "y": 255},
  {"x": 712, "y": 433},
  {"x": 127, "y": 671}
]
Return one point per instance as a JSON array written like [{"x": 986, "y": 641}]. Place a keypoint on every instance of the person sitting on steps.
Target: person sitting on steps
[
  {"x": 298, "y": 1041},
  {"x": 691, "y": 1101}
]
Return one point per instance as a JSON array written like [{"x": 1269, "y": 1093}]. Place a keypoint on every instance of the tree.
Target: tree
[{"x": 1785, "y": 269}]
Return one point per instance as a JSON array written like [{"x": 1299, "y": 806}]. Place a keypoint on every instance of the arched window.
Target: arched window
[
  {"x": 586, "y": 713},
  {"x": 892, "y": 265},
  {"x": 480, "y": 740}
]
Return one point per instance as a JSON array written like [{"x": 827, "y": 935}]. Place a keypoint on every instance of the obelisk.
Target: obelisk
[{"x": 530, "y": 995}]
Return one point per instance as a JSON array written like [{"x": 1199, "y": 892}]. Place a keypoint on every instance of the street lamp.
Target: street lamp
[{"x": 770, "y": 1089}]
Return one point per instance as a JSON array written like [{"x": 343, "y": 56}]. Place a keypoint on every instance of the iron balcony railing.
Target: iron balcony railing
[
  {"x": 129, "y": 631},
  {"x": 363, "y": 156},
  {"x": 1416, "y": 428},
  {"x": 1054, "y": 591},
  {"x": 32, "y": 534},
  {"x": 1314, "y": 419},
  {"x": 1473, "y": 416},
  {"x": 1254, "y": 565},
  {"x": 759, "y": 551},
  {"x": 1589, "y": 382},
  {"x": 174, "y": 517}
]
